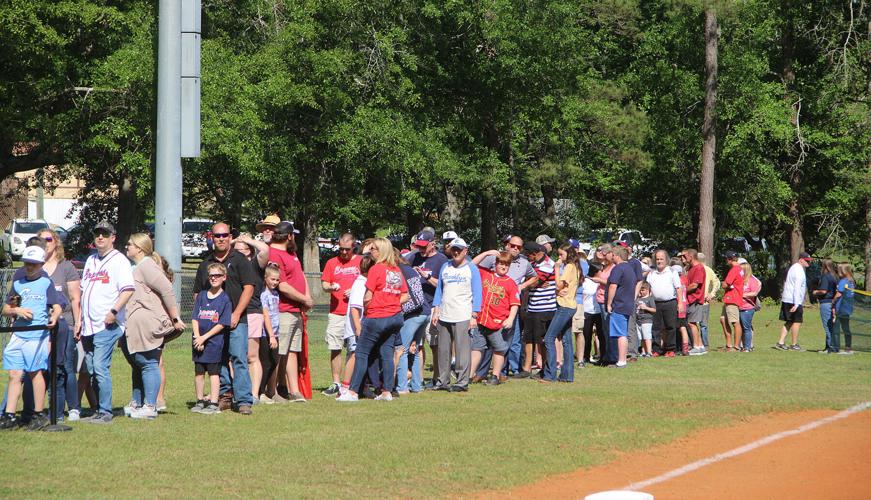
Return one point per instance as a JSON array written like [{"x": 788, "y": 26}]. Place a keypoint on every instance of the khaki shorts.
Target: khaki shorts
[
  {"x": 289, "y": 333},
  {"x": 335, "y": 332},
  {"x": 578, "y": 320},
  {"x": 731, "y": 313}
]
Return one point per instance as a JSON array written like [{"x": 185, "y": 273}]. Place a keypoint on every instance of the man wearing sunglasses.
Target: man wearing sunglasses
[
  {"x": 522, "y": 272},
  {"x": 339, "y": 274},
  {"x": 239, "y": 287},
  {"x": 107, "y": 284}
]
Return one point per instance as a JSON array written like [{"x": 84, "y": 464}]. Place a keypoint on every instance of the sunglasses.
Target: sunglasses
[
  {"x": 343, "y": 249},
  {"x": 215, "y": 276},
  {"x": 220, "y": 235},
  {"x": 48, "y": 239},
  {"x": 516, "y": 247},
  {"x": 102, "y": 234}
]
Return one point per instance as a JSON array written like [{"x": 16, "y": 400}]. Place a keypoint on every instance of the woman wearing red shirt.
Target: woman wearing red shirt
[{"x": 385, "y": 292}]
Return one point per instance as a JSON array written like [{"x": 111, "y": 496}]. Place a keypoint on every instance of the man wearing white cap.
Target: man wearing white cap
[
  {"x": 107, "y": 285},
  {"x": 456, "y": 305},
  {"x": 546, "y": 241}
]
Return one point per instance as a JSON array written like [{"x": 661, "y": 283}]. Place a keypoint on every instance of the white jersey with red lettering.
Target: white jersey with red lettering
[{"x": 103, "y": 280}]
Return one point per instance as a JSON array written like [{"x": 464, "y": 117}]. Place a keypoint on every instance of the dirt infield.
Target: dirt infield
[{"x": 829, "y": 461}]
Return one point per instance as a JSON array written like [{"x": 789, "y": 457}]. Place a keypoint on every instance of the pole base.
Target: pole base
[{"x": 57, "y": 428}]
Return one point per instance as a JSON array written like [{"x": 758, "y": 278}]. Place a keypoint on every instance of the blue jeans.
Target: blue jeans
[
  {"x": 410, "y": 327},
  {"x": 146, "y": 370},
  {"x": 746, "y": 318},
  {"x": 828, "y": 322},
  {"x": 236, "y": 352},
  {"x": 98, "y": 361},
  {"x": 67, "y": 385},
  {"x": 841, "y": 323},
  {"x": 515, "y": 350},
  {"x": 560, "y": 327},
  {"x": 703, "y": 325},
  {"x": 377, "y": 336}
]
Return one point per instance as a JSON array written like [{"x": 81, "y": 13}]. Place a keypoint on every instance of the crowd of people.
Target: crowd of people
[{"x": 529, "y": 309}]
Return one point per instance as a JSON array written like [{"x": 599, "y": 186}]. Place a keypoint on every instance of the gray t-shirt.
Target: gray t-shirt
[
  {"x": 520, "y": 269},
  {"x": 645, "y": 317},
  {"x": 63, "y": 274}
]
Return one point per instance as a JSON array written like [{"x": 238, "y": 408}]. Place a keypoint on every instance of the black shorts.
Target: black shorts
[
  {"x": 791, "y": 317},
  {"x": 212, "y": 368},
  {"x": 535, "y": 326}
]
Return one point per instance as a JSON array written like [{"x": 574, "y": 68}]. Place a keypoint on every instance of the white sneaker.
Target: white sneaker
[
  {"x": 129, "y": 408},
  {"x": 161, "y": 406},
  {"x": 266, "y": 399},
  {"x": 347, "y": 397},
  {"x": 384, "y": 396},
  {"x": 74, "y": 416},
  {"x": 147, "y": 412}
]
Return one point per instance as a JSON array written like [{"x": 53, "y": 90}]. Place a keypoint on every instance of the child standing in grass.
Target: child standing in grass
[
  {"x": 211, "y": 316},
  {"x": 644, "y": 316},
  {"x": 842, "y": 309},
  {"x": 269, "y": 301},
  {"x": 33, "y": 301}
]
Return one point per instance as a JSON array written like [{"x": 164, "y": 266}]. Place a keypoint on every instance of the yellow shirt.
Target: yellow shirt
[
  {"x": 566, "y": 297},
  {"x": 712, "y": 283}
]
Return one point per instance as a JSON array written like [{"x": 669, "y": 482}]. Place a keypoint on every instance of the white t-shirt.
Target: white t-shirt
[
  {"x": 795, "y": 287},
  {"x": 590, "y": 288},
  {"x": 103, "y": 280},
  {"x": 663, "y": 285},
  {"x": 355, "y": 301}
]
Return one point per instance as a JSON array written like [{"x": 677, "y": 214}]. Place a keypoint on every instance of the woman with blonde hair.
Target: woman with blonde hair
[
  {"x": 152, "y": 314},
  {"x": 386, "y": 291},
  {"x": 66, "y": 278},
  {"x": 749, "y": 304}
]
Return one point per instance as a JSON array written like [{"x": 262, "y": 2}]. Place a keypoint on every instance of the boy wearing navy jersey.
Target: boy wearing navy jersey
[
  {"x": 211, "y": 319},
  {"x": 33, "y": 301}
]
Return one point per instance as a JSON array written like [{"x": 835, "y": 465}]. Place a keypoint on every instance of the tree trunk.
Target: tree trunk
[
  {"x": 709, "y": 135},
  {"x": 796, "y": 236},
  {"x": 790, "y": 164},
  {"x": 453, "y": 208},
  {"x": 128, "y": 209},
  {"x": 488, "y": 222},
  {"x": 311, "y": 257},
  {"x": 548, "y": 195}
]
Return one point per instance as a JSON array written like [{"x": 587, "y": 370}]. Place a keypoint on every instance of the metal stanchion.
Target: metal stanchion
[{"x": 52, "y": 360}]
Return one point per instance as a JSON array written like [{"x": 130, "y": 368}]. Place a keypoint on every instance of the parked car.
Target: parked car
[
  {"x": 636, "y": 241},
  {"x": 195, "y": 238},
  {"x": 16, "y": 234}
]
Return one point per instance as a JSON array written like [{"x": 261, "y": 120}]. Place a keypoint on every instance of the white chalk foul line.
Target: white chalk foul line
[{"x": 747, "y": 447}]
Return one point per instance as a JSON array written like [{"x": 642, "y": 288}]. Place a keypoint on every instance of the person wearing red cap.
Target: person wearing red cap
[{"x": 794, "y": 290}]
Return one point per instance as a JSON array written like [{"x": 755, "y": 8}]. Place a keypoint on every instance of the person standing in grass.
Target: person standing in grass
[
  {"x": 33, "y": 301},
  {"x": 386, "y": 291},
  {"x": 592, "y": 316},
  {"x": 415, "y": 319},
  {"x": 338, "y": 276},
  {"x": 107, "y": 285},
  {"x": 620, "y": 301},
  {"x": 791, "y": 309},
  {"x": 354, "y": 318},
  {"x": 211, "y": 318},
  {"x": 500, "y": 301},
  {"x": 269, "y": 303},
  {"x": 152, "y": 314},
  {"x": 603, "y": 257},
  {"x": 667, "y": 291},
  {"x": 749, "y": 303},
  {"x": 825, "y": 293},
  {"x": 843, "y": 309},
  {"x": 456, "y": 305},
  {"x": 730, "y": 318},
  {"x": 540, "y": 308},
  {"x": 696, "y": 309},
  {"x": 567, "y": 275},
  {"x": 645, "y": 310}
]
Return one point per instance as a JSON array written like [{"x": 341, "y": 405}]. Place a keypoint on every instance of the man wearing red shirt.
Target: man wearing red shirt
[
  {"x": 293, "y": 299},
  {"x": 734, "y": 286},
  {"x": 695, "y": 299},
  {"x": 339, "y": 274}
]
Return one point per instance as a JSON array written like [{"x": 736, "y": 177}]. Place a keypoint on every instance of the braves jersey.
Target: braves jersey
[{"x": 103, "y": 280}]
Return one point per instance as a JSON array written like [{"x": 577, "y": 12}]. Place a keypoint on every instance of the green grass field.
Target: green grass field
[{"x": 430, "y": 444}]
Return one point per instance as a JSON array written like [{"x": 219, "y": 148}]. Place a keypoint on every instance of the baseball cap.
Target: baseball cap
[
  {"x": 33, "y": 255},
  {"x": 574, "y": 243},
  {"x": 285, "y": 227},
  {"x": 424, "y": 238},
  {"x": 532, "y": 247},
  {"x": 730, "y": 254},
  {"x": 104, "y": 226},
  {"x": 458, "y": 243},
  {"x": 450, "y": 235},
  {"x": 742, "y": 260},
  {"x": 622, "y": 244},
  {"x": 270, "y": 220},
  {"x": 677, "y": 269},
  {"x": 543, "y": 238},
  {"x": 805, "y": 256}
]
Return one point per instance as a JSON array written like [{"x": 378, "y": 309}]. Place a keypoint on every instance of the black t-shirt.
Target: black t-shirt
[
  {"x": 239, "y": 274},
  {"x": 433, "y": 264},
  {"x": 254, "y": 305}
]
